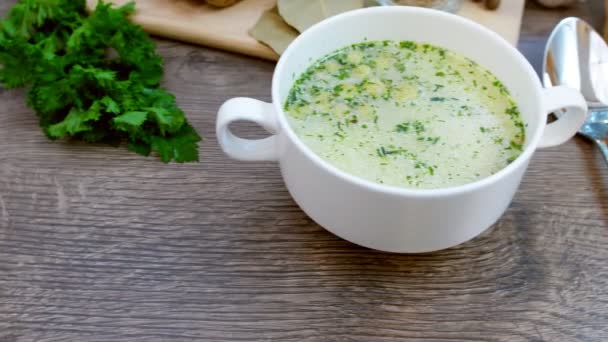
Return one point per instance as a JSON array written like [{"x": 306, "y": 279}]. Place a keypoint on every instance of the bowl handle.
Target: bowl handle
[
  {"x": 242, "y": 108},
  {"x": 570, "y": 108}
]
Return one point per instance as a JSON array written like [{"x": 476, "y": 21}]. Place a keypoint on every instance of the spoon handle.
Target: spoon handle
[{"x": 603, "y": 147}]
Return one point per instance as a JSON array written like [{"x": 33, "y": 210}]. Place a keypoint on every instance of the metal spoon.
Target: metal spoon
[{"x": 577, "y": 56}]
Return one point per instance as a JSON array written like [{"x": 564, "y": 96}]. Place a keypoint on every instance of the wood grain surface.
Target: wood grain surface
[{"x": 98, "y": 244}]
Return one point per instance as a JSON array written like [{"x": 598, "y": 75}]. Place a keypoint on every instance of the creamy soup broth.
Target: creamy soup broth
[{"x": 406, "y": 114}]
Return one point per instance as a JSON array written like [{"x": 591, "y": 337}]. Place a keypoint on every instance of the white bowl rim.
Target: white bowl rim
[{"x": 515, "y": 55}]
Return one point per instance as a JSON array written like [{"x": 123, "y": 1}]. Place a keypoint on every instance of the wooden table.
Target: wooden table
[{"x": 98, "y": 244}]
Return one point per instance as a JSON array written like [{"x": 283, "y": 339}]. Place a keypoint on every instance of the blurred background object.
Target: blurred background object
[
  {"x": 255, "y": 28},
  {"x": 221, "y": 3},
  {"x": 445, "y": 5},
  {"x": 492, "y": 4},
  {"x": 556, "y": 3}
]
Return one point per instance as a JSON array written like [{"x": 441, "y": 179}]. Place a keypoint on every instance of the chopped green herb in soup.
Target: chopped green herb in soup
[{"x": 406, "y": 114}]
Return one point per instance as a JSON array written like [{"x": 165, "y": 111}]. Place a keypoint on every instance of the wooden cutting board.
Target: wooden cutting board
[{"x": 227, "y": 28}]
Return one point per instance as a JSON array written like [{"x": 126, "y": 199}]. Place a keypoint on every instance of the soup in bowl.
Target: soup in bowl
[
  {"x": 406, "y": 114},
  {"x": 408, "y": 133}
]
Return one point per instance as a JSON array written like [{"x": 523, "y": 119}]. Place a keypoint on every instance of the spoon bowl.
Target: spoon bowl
[{"x": 576, "y": 56}]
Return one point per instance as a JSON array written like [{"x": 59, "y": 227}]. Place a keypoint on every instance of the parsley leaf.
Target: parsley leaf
[{"x": 93, "y": 77}]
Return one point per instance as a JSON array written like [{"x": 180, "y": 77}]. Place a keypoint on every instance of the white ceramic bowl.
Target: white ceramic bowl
[{"x": 384, "y": 217}]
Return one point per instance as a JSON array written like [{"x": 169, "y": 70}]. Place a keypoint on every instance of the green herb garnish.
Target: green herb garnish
[
  {"x": 515, "y": 146},
  {"x": 408, "y": 45},
  {"x": 513, "y": 112},
  {"x": 403, "y": 127},
  {"x": 501, "y": 87},
  {"x": 93, "y": 77},
  {"x": 433, "y": 140},
  {"x": 417, "y": 126}
]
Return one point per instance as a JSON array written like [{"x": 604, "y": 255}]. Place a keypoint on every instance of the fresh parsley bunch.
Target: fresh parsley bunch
[{"x": 93, "y": 77}]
